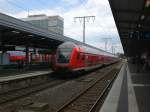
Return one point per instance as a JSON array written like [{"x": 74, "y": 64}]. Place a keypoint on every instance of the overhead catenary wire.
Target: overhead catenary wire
[
  {"x": 83, "y": 18},
  {"x": 41, "y": 2},
  {"x": 91, "y": 13},
  {"x": 73, "y": 32},
  {"x": 16, "y": 5},
  {"x": 22, "y": 8},
  {"x": 26, "y": 9},
  {"x": 82, "y": 3},
  {"x": 98, "y": 25}
]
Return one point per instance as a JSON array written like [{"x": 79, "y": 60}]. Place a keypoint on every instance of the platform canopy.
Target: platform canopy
[
  {"x": 17, "y": 32},
  {"x": 20, "y": 33},
  {"x": 132, "y": 19}
]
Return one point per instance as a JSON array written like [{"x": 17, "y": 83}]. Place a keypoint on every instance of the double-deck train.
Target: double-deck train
[
  {"x": 17, "y": 56},
  {"x": 73, "y": 57}
]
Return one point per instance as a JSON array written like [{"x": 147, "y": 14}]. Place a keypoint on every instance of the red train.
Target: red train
[
  {"x": 73, "y": 57},
  {"x": 17, "y": 56}
]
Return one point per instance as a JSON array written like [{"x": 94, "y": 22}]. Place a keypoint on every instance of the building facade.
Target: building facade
[{"x": 50, "y": 23}]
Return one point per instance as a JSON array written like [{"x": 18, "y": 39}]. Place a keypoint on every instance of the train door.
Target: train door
[
  {"x": 80, "y": 59},
  {"x": 86, "y": 60}
]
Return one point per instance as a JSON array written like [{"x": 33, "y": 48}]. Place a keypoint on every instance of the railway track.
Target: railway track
[
  {"x": 84, "y": 101},
  {"x": 15, "y": 94},
  {"x": 87, "y": 100},
  {"x": 20, "y": 93}
]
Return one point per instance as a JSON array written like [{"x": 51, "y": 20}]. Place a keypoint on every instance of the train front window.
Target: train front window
[{"x": 64, "y": 55}]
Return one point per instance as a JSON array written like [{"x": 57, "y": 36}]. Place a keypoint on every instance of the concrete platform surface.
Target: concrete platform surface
[
  {"x": 25, "y": 75},
  {"x": 129, "y": 93}
]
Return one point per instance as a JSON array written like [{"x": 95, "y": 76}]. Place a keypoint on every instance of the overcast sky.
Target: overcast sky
[{"x": 96, "y": 30}]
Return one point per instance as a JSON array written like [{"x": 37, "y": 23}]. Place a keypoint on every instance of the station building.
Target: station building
[{"x": 50, "y": 23}]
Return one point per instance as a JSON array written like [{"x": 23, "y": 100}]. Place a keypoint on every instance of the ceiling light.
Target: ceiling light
[
  {"x": 31, "y": 35},
  {"x": 15, "y": 31},
  {"x": 142, "y": 17},
  {"x": 139, "y": 25}
]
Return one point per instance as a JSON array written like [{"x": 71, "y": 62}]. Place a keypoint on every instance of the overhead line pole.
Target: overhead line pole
[
  {"x": 84, "y": 18},
  {"x": 106, "y": 42},
  {"x": 83, "y": 29}
]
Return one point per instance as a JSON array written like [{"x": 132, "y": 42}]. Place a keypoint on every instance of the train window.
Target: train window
[
  {"x": 64, "y": 55},
  {"x": 83, "y": 57},
  {"x": 87, "y": 57},
  {"x": 78, "y": 56}
]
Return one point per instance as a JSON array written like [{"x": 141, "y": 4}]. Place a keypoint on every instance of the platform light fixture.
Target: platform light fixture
[
  {"x": 31, "y": 35},
  {"x": 142, "y": 17},
  {"x": 130, "y": 34},
  {"x": 14, "y": 31},
  {"x": 139, "y": 25}
]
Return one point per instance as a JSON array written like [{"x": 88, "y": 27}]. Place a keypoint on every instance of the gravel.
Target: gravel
[{"x": 56, "y": 96}]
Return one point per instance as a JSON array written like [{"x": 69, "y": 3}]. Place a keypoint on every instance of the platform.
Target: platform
[
  {"x": 23, "y": 75},
  {"x": 23, "y": 80},
  {"x": 130, "y": 91}
]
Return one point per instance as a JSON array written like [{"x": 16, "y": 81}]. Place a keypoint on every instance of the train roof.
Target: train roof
[
  {"x": 87, "y": 48},
  {"x": 67, "y": 45},
  {"x": 96, "y": 51}
]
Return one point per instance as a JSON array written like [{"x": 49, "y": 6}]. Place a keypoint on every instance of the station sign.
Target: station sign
[
  {"x": 145, "y": 35},
  {"x": 139, "y": 35}
]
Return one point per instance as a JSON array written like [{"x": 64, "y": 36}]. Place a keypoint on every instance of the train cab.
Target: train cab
[{"x": 64, "y": 56}]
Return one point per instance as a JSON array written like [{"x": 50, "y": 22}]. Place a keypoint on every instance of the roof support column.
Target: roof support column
[
  {"x": 0, "y": 37},
  {"x": 27, "y": 54},
  {"x": 1, "y": 41},
  {"x": 2, "y": 49},
  {"x": 33, "y": 54},
  {"x": 1, "y": 57},
  {"x": 34, "y": 50}
]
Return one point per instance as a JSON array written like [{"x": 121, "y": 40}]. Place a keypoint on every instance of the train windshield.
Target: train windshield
[
  {"x": 64, "y": 55},
  {"x": 64, "y": 52}
]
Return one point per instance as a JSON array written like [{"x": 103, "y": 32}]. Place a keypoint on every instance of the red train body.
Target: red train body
[
  {"x": 17, "y": 56},
  {"x": 72, "y": 57}
]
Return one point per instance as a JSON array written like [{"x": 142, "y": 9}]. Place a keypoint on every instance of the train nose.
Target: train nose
[{"x": 62, "y": 68}]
